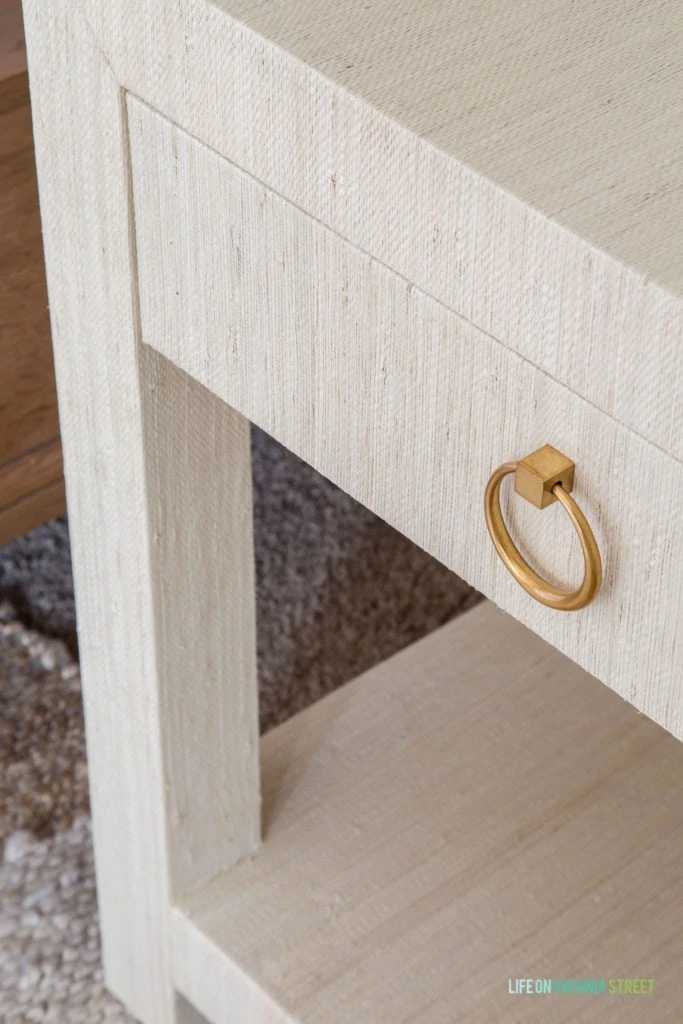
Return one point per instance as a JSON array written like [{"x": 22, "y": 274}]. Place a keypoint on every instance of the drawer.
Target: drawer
[
  {"x": 406, "y": 405},
  {"x": 547, "y": 212}
]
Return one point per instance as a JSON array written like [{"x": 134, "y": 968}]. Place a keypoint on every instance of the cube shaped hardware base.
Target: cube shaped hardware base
[{"x": 537, "y": 474}]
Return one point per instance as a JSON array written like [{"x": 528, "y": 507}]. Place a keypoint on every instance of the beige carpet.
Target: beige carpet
[{"x": 338, "y": 591}]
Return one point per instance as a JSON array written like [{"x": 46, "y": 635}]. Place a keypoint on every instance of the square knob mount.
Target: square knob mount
[{"x": 537, "y": 474}]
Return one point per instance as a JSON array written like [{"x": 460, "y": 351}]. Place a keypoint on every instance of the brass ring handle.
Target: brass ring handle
[{"x": 543, "y": 477}]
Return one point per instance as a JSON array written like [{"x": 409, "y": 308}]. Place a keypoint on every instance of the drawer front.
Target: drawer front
[{"x": 405, "y": 405}]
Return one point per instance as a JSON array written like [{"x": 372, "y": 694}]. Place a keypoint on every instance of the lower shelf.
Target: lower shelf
[{"x": 474, "y": 810}]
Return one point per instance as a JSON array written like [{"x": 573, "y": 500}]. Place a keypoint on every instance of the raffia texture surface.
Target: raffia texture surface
[{"x": 338, "y": 591}]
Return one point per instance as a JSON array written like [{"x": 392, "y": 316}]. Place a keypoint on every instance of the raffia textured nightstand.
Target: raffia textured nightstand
[{"x": 416, "y": 243}]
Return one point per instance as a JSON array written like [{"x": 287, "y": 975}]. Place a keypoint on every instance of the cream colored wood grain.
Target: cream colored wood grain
[
  {"x": 406, "y": 406},
  {"x": 476, "y": 808},
  {"x": 520, "y": 164},
  {"x": 159, "y": 500}
]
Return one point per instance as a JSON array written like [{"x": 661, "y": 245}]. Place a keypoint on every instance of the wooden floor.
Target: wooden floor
[
  {"x": 474, "y": 810},
  {"x": 31, "y": 475},
  {"x": 12, "y": 45}
]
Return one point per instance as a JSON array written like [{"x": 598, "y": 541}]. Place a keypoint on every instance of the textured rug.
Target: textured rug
[{"x": 338, "y": 591}]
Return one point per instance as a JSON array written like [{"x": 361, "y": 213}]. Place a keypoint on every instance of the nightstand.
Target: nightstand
[{"x": 424, "y": 247}]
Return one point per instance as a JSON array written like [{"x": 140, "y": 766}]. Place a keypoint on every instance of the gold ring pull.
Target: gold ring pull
[{"x": 543, "y": 477}]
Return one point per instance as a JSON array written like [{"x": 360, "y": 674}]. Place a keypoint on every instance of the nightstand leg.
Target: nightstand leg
[{"x": 159, "y": 498}]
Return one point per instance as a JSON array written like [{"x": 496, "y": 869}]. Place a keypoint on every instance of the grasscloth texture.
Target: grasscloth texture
[
  {"x": 406, "y": 405},
  {"x": 501, "y": 257},
  {"x": 338, "y": 590},
  {"x": 520, "y": 163},
  {"x": 474, "y": 809}
]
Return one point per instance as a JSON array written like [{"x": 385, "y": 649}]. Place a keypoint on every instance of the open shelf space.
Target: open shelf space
[{"x": 475, "y": 809}]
